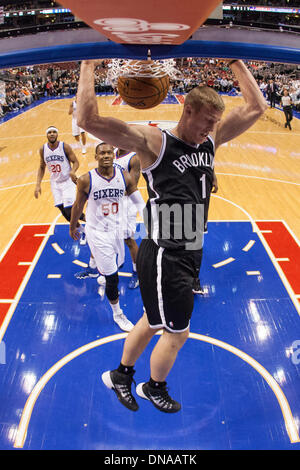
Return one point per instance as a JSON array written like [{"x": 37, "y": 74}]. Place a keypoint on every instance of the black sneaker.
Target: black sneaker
[
  {"x": 159, "y": 397},
  {"x": 121, "y": 384},
  {"x": 197, "y": 289}
]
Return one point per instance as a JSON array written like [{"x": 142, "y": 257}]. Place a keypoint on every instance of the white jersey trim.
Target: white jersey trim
[{"x": 160, "y": 155}]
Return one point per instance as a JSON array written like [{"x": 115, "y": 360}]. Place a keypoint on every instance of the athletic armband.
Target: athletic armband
[{"x": 138, "y": 201}]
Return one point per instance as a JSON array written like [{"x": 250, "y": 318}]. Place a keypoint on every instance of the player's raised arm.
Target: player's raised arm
[
  {"x": 138, "y": 138},
  {"x": 113, "y": 131},
  {"x": 242, "y": 117}
]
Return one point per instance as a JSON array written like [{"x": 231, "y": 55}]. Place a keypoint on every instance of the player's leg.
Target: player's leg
[
  {"x": 69, "y": 196},
  {"x": 108, "y": 255},
  {"x": 83, "y": 141},
  {"x": 120, "y": 380},
  {"x": 197, "y": 288},
  {"x": 112, "y": 293},
  {"x": 159, "y": 315},
  {"x": 133, "y": 248},
  {"x": 129, "y": 221},
  {"x": 165, "y": 353},
  {"x": 174, "y": 274}
]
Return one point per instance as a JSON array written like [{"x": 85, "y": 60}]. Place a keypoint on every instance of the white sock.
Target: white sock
[
  {"x": 92, "y": 263},
  {"x": 116, "y": 308},
  {"x": 134, "y": 266}
]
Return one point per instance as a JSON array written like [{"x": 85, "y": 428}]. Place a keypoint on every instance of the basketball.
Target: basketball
[{"x": 143, "y": 92}]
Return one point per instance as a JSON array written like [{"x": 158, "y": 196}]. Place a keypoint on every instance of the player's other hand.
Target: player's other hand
[
  {"x": 75, "y": 233},
  {"x": 37, "y": 192},
  {"x": 73, "y": 177}
]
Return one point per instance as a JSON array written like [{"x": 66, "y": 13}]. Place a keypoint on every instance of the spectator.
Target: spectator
[{"x": 25, "y": 85}]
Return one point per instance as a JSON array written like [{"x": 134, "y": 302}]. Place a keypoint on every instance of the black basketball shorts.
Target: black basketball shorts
[{"x": 165, "y": 279}]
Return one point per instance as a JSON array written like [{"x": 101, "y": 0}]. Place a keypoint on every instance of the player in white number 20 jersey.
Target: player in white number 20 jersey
[
  {"x": 104, "y": 189},
  {"x": 62, "y": 164}
]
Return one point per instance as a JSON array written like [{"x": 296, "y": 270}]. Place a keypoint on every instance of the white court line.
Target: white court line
[
  {"x": 223, "y": 263},
  {"x": 125, "y": 274},
  {"x": 249, "y": 245},
  {"x": 57, "y": 248},
  {"x": 290, "y": 423},
  {"x": 10, "y": 243},
  {"x": 26, "y": 278},
  {"x": 271, "y": 132},
  {"x": 273, "y": 180},
  {"x": 21, "y": 186},
  {"x": 253, "y": 273},
  {"x": 145, "y": 187},
  {"x": 54, "y": 276},
  {"x": 291, "y": 232},
  {"x": 278, "y": 268},
  {"x": 254, "y": 226},
  {"x": 282, "y": 259},
  {"x": 24, "y": 263},
  {"x": 80, "y": 263}
]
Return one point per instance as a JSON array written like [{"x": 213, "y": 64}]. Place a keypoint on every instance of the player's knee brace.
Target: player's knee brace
[
  {"x": 66, "y": 212},
  {"x": 111, "y": 287}
]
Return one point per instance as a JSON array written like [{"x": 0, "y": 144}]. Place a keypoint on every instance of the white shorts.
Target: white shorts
[
  {"x": 64, "y": 193},
  {"x": 108, "y": 252},
  {"x": 130, "y": 213},
  {"x": 76, "y": 130}
]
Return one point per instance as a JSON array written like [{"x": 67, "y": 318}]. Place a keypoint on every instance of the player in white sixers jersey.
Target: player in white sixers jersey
[
  {"x": 130, "y": 162},
  {"x": 104, "y": 188},
  {"x": 62, "y": 164}
]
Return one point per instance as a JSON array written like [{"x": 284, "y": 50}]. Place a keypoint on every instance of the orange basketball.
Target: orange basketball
[{"x": 143, "y": 92}]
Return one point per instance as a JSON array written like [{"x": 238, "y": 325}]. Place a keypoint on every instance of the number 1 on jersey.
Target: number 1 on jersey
[{"x": 203, "y": 185}]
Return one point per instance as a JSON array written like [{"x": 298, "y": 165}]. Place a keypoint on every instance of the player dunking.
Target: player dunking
[
  {"x": 104, "y": 190},
  {"x": 62, "y": 164},
  {"x": 178, "y": 168}
]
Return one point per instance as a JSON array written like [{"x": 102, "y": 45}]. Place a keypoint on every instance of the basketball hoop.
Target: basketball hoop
[{"x": 142, "y": 68}]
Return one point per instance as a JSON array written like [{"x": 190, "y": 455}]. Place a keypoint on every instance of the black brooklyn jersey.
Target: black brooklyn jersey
[{"x": 179, "y": 185}]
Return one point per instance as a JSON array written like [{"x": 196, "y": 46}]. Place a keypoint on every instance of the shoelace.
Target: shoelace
[
  {"x": 164, "y": 398},
  {"x": 125, "y": 390}
]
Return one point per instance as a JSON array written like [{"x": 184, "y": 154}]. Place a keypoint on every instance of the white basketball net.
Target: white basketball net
[{"x": 142, "y": 68}]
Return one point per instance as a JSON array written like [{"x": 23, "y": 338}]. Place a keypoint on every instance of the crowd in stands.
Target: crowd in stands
[
  {"x": 25, "y": 85},
  {"x": 217, "y": 74}
]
